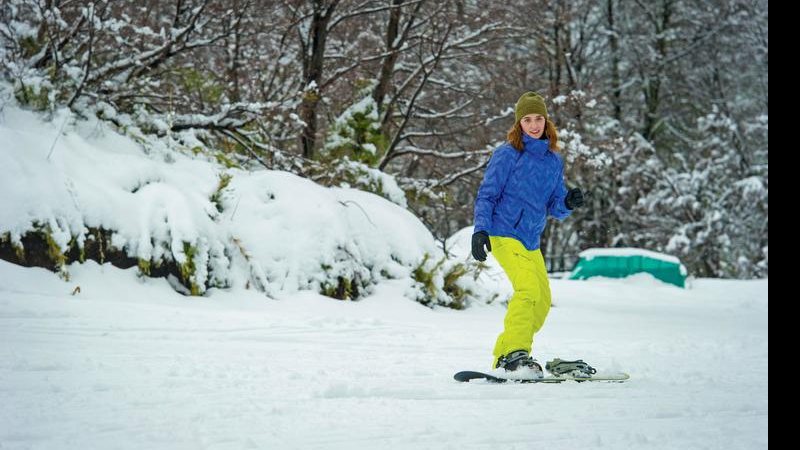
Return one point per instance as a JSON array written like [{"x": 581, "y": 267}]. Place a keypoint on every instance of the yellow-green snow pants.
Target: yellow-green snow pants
[{"x": 530, "y": 303}]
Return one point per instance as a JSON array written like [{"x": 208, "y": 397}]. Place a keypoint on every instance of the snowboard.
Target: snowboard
[{"x": 469, "y": 375}]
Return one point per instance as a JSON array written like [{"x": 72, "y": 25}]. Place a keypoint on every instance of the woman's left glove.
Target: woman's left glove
[{"x": 574, "y": 198}]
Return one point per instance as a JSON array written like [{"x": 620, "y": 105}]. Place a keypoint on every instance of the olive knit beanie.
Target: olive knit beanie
[{"x": 530, "y": 103}]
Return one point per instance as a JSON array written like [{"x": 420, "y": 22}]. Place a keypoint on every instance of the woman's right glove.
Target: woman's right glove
[{"x": 479, "y": 240}]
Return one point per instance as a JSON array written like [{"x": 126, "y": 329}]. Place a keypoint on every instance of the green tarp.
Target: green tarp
[{"x": 623, "y": 262}]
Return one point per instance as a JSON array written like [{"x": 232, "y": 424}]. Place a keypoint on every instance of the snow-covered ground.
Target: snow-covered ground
[{"x": 128, "y": 363}]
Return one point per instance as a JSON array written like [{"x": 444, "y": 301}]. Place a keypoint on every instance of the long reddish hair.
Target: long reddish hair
[{"x": 515, "y": 135}]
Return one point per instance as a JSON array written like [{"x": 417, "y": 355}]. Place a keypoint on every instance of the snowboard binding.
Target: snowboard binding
[{"x": 570, "y": 369}]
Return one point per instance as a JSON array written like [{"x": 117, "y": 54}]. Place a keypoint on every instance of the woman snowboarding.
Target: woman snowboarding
[{"x": 522, "y": 185}]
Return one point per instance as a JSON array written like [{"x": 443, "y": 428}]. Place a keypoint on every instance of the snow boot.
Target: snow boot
[{"x": 520, "y": 362}]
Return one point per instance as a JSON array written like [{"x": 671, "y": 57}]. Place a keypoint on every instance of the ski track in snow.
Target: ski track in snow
[{"x": 128, "y": 363}]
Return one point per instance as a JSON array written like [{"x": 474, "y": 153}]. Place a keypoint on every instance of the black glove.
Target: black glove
[
  {"x": 573, "y": 199},
  {"x": 480, "y": 239}
]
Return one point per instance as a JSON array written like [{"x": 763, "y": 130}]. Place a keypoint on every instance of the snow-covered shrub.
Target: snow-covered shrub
[
  {"x": 356, "y": 133},
  {"x": 451, "y": 282},
  {"x": 89, "y": 193},
  {"x": 346, "y": 173}
]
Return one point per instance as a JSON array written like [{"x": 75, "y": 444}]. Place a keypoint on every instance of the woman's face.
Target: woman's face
[{"x": 533, "y": 125}]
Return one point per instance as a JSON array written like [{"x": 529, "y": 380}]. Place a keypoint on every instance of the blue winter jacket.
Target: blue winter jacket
[{"x": 519, "y": 190}]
